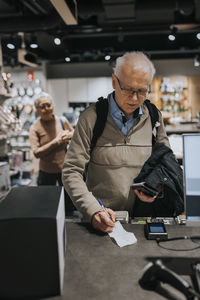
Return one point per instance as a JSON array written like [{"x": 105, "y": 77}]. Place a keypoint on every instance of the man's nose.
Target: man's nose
[{"x": 134, "y": 95}]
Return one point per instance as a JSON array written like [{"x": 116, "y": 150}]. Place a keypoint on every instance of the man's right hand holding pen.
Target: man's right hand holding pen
[{"x": 104, "y": 219}]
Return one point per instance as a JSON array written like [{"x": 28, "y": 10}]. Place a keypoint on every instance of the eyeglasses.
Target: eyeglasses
[
  {"x": 130, "y": 92},
  {"x": 43, "y": 106}
]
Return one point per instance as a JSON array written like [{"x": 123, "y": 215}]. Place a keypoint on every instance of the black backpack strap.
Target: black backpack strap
[
  {"x": 153, "y": 111},
  {"x": 102, "y": 113},
  {"x": 62, "y": 123}
]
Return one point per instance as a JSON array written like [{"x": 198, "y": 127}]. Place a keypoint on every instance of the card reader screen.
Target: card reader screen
[{"x": 156, "y": 228}]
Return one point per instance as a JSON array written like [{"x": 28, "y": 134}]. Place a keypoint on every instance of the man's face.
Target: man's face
[
  {"x": 125, "y": 83},
  {"x": 45, "y": 109}
]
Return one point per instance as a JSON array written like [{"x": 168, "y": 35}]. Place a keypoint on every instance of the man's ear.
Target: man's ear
[{"x": 113, "y": 81}]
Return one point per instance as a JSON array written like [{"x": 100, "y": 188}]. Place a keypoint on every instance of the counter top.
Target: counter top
[
  {"x": 96, "y": 268},
  {"x": 183, "y": 128}
]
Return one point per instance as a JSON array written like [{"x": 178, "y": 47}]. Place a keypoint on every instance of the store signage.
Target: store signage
[{"x": 30, "y": 75}]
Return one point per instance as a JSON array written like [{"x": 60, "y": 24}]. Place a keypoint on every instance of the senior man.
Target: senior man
[{"x": 121, "y": 150}]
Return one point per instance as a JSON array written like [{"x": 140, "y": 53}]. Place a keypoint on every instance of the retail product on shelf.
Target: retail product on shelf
[
  {"x": 8, "y": 122},
  {"x": 23, "y": 109},
  {"x": 174, "y": 98},
  {"x": 16, "y": 159},
  {"x": 4, "y": 179},
  {"x": 21, "y": 101},
  {"x": 7, "y": 89},
  {"x": 3, "y": 147}
]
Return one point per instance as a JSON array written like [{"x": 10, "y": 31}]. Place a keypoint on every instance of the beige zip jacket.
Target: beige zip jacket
[{"x": 115, "y": 162}]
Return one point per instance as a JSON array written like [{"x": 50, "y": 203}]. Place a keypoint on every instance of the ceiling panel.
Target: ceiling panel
[{"x": 104, "y": 27}]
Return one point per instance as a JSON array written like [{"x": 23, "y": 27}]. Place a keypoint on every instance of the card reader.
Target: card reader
[{"x": 155, "y": 231}]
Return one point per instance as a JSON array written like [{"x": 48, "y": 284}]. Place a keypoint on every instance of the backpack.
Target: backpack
[
  {"x": 62, "y": 123},
  {"x": 102, "y": 107}
]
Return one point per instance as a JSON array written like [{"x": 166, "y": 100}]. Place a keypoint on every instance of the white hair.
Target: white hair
[
  {"x": 137, "y": 60},
  {"x": 41, "y": 96}
]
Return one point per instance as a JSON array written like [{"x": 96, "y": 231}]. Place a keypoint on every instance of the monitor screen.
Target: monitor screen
[{"x": 191, "y": 162}]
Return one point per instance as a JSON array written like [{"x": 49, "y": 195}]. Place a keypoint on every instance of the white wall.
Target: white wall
[
  {"x": 64, "y": 91},
  {"x": 57, "y": 88}
]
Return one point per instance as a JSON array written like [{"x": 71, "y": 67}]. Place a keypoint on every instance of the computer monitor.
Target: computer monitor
[{"x": 191, "y": 163}]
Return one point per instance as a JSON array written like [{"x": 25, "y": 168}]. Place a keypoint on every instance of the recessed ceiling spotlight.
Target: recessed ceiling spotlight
[
  {"x": 107, "y": 57},
  {"x": 10, "y": 46},
  {"x": 33, "y": 42},
  {"x": 171, "y": 37},
  {"x": 198, "y": 36},
  {"x": 67, "y": 59},
  {"x": 196, "y": 61},
  {"x": 57, "y": 41},
  {"x": 34, "y": 45}
]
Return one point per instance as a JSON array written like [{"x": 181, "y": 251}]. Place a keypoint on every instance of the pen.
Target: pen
[{"x": 100, "y": 202}]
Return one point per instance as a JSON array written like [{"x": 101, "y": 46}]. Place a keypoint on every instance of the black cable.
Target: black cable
[{"x": 194, "y": 239}]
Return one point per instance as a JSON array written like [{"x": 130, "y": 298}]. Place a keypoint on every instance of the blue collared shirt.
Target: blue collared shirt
[{"x": 117, "y": 116}]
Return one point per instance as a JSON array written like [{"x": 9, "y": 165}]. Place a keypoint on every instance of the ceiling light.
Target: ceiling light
[
  {"x": 67, "y": 59},
  {"x": 198, "y": 36},
  {"x": 10, "y": 46},
  {"x": 107, "y": 57},
  {"x": 196, "y": 61},
  {"x": 34, "y": 45},
  {"x": 171, "y": 37},
  {"x": 57, "y": 41}
]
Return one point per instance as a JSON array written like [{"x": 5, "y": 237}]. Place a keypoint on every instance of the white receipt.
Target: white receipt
[{"x": 121, "y": 236}]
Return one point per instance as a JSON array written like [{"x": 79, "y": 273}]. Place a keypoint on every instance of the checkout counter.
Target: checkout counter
[
  {"x": 92, "y": 266},
  {"x": 96, "y": 268},
  {"x": 175, "y": 133}
]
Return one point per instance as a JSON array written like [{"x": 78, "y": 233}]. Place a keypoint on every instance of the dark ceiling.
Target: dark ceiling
[{"x": 104, "y": 27}]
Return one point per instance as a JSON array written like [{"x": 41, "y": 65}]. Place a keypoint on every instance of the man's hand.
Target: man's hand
[
  {"x": 144, "y": 197},
  {"x": 102, "y": 222}
]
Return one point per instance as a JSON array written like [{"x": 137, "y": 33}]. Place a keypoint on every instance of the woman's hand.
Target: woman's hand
[{"x": 64, "y": 136}]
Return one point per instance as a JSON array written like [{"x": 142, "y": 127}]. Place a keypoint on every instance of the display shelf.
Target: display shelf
[
  {"x": 19, "y": 141},
  {"x": 173, "y": 94},
  {"x": 182, "y": 128}
]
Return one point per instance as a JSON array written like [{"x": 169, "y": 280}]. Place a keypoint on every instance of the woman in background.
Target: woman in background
[{"x": 48, "y": 138}]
